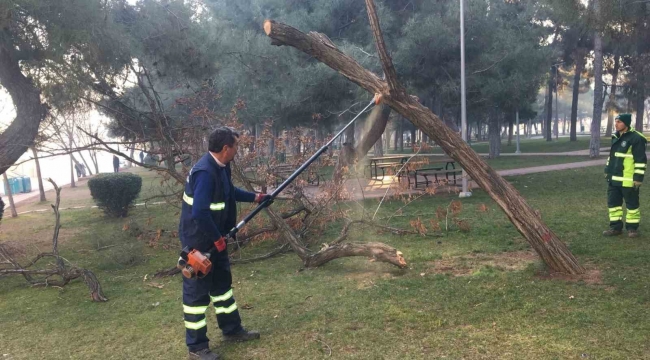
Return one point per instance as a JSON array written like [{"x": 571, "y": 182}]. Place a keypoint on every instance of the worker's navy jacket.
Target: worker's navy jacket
[{"x": 209, "y": 206}]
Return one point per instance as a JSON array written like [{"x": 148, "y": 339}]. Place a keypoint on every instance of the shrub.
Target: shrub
[{"x": 114, "y": 193}]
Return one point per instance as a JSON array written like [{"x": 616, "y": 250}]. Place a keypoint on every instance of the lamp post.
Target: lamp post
[{"x": 463, "y": 103}]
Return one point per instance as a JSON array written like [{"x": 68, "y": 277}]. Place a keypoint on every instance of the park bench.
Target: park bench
[{"x": 446, "y": 167}]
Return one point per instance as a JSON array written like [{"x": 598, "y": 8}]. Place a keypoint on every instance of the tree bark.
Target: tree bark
[
  {"x": 26, "y": 98},
  {"x": 9, "y": 195},
  {"x": 379, "y": 147},
  {"x": 398, "y": 125},
  {"x": 549, "y": 106},
  {"x": 401, "y": 134},
  {"x": 494, "y": 135},
  {"x": 611, "y": 104},
  {"x": 594, "y": 144},
  {"x": 41, "y": 188},
  {"x": 510, "y": 128},
  {"x": 527, "y": 221},
  {"x": 72, "y": 163},
  {"x": 641, "y": 62},
  {"x": 369, "y": 135},
  {"x": 580, "y": 62}
]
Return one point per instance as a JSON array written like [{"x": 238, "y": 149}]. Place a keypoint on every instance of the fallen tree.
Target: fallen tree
[
  {"x": 43, "y": 277},
  {"x": 544, "y": 241}
]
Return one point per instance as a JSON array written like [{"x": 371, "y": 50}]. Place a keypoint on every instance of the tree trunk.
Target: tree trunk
[
  {"x": 72, "y": 163},
  {"x": 130, "y": 164},
  {"x": 611, "y": 104},
  {"x": 549, "y": 247},
  {"x": 41, "y": 188},
  {"x": 574, "y": 101},
  {"x": 379, "y": 147},
  {"x": 641, "y": 62},
  {"x": 83, "y": 159},
  {"x": 26, "y": 98},
  {"x": 271, "y": 145},
  {"x": 398, "y": 126},
  {"x": 594, "y": 144},
  {"x": 494, "y": 135},
  {"x": 413, "y": 138},
  {"x": 510, "y": 128},
  {"x": 549, "y": 106},
  {"x": 93, "y": 158},
  {"x": 373, "y": 128},
  {"x": 401, "y": 134},
  {"x": 9, "y": 195}
]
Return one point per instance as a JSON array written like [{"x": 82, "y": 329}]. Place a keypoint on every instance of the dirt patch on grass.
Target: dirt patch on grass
[
  {"x": 468, "y": 264},
  {"x": 592, "y": 276}
]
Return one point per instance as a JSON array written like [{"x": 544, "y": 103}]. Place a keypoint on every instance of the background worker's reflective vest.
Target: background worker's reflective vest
[
  {"x": 627, "y": 159},
  {"x": 222, "y": 206}
]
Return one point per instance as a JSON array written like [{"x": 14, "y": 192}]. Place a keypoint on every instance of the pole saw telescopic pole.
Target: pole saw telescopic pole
[{"x": 375, "y": 101}]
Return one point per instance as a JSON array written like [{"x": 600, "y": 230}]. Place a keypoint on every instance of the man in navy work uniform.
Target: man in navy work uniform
[{"x": 209, "y": 212}]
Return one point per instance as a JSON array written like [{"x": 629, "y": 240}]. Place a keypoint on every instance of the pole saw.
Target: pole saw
[{"x": 194, "y": 263}]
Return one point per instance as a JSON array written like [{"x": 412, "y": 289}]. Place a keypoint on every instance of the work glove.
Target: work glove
[
  {"x": 260, "y": 198},
  {"x": 637, "y": 184}
]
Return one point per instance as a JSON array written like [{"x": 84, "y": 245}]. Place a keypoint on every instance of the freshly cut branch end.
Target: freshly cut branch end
[{"x": 267, "y": 26}]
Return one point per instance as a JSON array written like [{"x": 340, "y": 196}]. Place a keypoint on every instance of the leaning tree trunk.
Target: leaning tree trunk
[
  {"x": 9, "y": 195},
  {"x": 527, "y": 221},
  {"x": 26, "y": 98},
  {"x": 611, "y": 104},
  {"x": 580, "y": 61},
  {"x": 594, "y": 144},
  {"x": 41, "y": 188}
]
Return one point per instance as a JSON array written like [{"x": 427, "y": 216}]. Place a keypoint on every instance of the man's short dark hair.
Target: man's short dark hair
[{"x": 221, "y": 137}]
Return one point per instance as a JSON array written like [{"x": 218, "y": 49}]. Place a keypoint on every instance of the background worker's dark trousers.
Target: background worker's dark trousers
[{"x": 615, "y": 197}]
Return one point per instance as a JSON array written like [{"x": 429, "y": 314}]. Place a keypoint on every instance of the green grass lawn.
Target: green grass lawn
[{"x": 465, "y": 295}]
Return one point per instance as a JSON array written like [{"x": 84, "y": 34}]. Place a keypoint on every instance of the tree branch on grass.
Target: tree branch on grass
[{"x": 66, "y": 273}]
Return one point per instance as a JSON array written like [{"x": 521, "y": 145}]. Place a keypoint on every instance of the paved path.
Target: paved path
[
  {"x": 359, "y": 189},
  {"x": 603, "y": 151}
]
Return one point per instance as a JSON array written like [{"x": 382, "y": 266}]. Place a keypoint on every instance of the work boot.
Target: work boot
[
  {"x": 242, "y": 335},
  {"x": 203, "y": 354},
  {"x": 632, "y": 233},
  {"x": 612, "y": 232}
]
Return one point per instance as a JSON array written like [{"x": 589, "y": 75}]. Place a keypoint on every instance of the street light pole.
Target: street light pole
[{"x": 463, "y": 102}]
